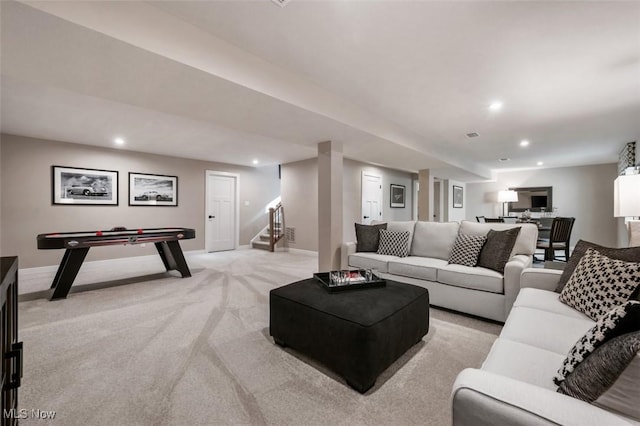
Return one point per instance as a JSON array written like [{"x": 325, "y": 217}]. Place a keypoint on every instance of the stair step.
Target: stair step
[{"x": 260, "y": 245}]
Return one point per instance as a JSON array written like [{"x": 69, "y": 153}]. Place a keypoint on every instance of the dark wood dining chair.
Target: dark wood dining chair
[
  {"x": 559, "y": 238},
  {"x": 480, "y": 219}
]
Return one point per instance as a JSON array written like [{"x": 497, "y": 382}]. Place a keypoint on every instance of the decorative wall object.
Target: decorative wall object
[
  {"x": 152, "y": 190},
  {"x": 71, "y": 185},
  {"x": 458, "y": 197},
  {"x": 626, "y": 157},
  {"x": 397, "y": 196}
]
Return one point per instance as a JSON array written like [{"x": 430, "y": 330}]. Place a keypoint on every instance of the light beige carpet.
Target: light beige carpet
[{"x": 197, "y": 351}]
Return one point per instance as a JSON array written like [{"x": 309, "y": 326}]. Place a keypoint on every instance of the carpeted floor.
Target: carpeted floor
[{"x": 197, "y": 351}]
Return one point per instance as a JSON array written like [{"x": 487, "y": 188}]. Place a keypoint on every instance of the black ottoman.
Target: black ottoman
[{"x": 356, "y": 333}]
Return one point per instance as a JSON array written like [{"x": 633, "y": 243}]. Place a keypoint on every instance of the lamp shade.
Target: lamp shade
[
  {"x": 507, "y": 196},
  {"x": 626, "y": 196}
]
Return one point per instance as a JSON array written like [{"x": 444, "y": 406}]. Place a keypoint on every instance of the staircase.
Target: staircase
[{"x": 272, "y": 233}]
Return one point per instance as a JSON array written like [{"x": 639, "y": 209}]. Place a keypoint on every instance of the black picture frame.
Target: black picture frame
[
  {"x": 147, "y": 189},
  {"x": 84, "y": 186},
  {"x": 397, "y": 196},
  {"x": 458, "y": 197}
]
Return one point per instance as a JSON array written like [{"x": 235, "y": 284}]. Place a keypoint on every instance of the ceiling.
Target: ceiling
[{"x": 399, "y": 84}]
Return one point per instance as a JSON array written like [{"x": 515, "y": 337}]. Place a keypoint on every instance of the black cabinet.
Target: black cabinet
[{"x": 11, "y": 349}]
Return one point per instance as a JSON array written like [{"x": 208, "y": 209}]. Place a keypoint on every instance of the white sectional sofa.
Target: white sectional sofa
[
  {"x": 515, "y": 385},
  {"x": 474, "y": 290}
]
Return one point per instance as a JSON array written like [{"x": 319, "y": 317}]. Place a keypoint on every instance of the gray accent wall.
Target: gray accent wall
[
  {"x": 300, "y": 198},
  {"x": 27, "y": 210},
  {"x": 583, "y": 192}
]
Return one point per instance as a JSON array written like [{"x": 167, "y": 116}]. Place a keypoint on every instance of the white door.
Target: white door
[
  {"x": 371, "y": 198},
  {"x": 220, "y": 212}
]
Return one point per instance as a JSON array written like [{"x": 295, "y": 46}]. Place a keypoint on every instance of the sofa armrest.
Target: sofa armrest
[
  {"x": 512, "y": 272},
  {"x": 544, "y": 279},
  {"x": 483, "y": 398},
  {"x": 347, "y": 249}
]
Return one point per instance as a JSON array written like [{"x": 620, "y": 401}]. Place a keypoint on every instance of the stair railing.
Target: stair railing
[{"x": 276, "y": 223}]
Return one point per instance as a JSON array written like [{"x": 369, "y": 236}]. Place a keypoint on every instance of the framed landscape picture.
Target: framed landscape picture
[
  {"x": 458, "y": 196},
  {"x": 152, "y": 190},
  {"x": 397, "y": 196},
  {"x": 72, "y": 185}
]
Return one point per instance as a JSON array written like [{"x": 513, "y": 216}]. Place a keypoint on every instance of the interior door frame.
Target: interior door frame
[
  {"x": 381, "y": 194},
  {"x": 236, "y": 196}
]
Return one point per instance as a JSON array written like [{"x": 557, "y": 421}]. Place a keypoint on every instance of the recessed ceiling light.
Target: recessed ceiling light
[
  {"x": 495, "y": 106},
  {"x": 524, "y": 143},
  {"x": 255, "y": 161},
  {"x": 539, "y": 163},
  {"x": 118, "y": 141}
]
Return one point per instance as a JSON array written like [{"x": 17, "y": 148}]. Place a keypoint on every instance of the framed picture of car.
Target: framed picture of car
[
  {"x": 152, "y": 190},
  {"x": 73, "y": 185}
]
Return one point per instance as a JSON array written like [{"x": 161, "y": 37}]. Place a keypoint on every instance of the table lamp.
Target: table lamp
[
  {"x": 507, "y": 196},
  {"x": 626, "y": 203}
]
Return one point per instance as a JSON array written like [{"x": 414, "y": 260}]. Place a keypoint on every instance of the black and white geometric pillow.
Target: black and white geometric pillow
[
  {"x": 466, "y": 249},
  {"x": 394, "y": 243},
  {"x": 620, "y": 320},
  {"x": 599, "y": 284}
]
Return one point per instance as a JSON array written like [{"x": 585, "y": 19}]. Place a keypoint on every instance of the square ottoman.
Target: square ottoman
[{"x": 357, "y": 333}]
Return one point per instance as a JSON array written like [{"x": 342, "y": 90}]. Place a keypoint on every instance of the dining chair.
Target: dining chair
[
  {"x": 559, "y": 238},
  {"x": 480, "y": 219}
]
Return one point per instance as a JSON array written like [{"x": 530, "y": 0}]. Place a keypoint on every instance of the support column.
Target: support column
[
  {"x": 425, "y": 195},
  {"x": 329, "y": 205}
]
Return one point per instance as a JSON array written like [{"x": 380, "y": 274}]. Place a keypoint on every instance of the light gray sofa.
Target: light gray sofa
[
  {"x": 515, "y": 385},
  {"x": 474, "y": 290}
]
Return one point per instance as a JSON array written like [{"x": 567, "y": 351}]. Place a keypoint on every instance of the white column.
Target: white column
[{"x": 329, "y": 205}]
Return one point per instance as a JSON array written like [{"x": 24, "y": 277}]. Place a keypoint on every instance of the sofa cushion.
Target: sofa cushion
[
  {"x": 368, "y": 237},
  {"x": 525, "y": 243},
  {"x": 379, "y": 262},
  {"x": 496, "y": 251},
  {"x": 394, "y": 243},
  {"x": 545, "y": 301},
  {"x": 628, "y": 254},
  {"x": 620, "y": 320},
  {"x": 466, "y": 249},
  {"x": 423, "y": 268},
  {"x": 599, "y": 283},
  {"x": 434, "y": 239},
  {"x": 523, "y": 362},
  {"x": 546, "y": 330},
  {"x": 473, "y": 278},
  {"x": 600, "y": 370}
]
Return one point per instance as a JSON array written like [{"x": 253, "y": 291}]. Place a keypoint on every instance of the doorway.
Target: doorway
[
  {"x": 221, "y": 211},
  {"x": 371, "y": 198}
]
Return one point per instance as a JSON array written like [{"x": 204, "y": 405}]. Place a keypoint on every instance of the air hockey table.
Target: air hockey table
[{"x": 77, "y": 245}]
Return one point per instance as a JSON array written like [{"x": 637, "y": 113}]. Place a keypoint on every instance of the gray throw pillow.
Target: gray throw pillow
[
  {"x": 368, "y": 237},
  {"x": 599, "y": 284},
  {"x": 630, "y": 254},
  {"x": 599, "y": 371},
  {"x": 466, "y": 249},
  {"x": 496, "y": 251},
  {"x": 394, "y": 243},
  {"x": 620, "y": 320}
]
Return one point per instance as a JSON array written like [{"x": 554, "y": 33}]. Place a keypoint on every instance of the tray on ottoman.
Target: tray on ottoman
[
  {"x": 357, "y": 281},
  {"x": 357, "y": 334}
]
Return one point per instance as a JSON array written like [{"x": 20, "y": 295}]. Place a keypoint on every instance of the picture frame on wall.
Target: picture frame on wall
[
  {"x": 458, "y": 197},
  {"x": 397, "y": 196},
  {"x": 153, "y": 190},
  {"x": 81, "y": 186}
]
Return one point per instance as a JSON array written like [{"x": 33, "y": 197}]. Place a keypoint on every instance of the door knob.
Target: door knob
[
  {"x": 366, "y": 217},
  {"x": 211, "y": 217}
]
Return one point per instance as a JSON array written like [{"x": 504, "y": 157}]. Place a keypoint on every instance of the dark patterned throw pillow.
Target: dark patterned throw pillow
[
  {"x": 600, "y": 283},
  {"x": 628, "y": 254},
  {"x": 496, "y": 252},
  {"x": 600, "y": 370},
  {"x": 368, "y": 237},
  {"x": 620, "y": 320},
  {"x": 394, "y": 243},
  {"x": 466, "y": 249}
]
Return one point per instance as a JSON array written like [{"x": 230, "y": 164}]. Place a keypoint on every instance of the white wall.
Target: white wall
[
  {"x": 300, "y": 198},
  {"x": 584, "y": 192},
  {"x": 27, "y": 210}
]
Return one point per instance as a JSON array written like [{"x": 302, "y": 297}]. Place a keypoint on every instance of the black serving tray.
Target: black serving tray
[{"x": 323, "y": 279}]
